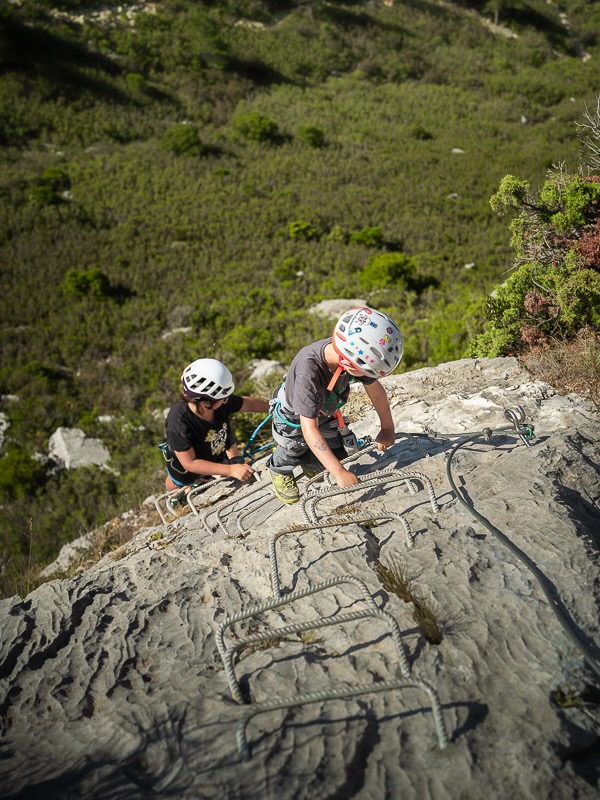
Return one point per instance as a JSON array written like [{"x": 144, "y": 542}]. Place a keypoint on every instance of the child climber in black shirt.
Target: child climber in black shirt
[{"x": 200, "y": 442}]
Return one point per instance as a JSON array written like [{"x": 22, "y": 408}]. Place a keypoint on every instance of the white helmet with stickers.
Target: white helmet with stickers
[
  {"x": 207, "y": 378},
  {"x": 370, "y": 340}
]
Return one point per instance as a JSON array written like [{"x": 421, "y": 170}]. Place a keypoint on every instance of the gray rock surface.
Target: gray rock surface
[
  {"x": 112, "y": 681},
  {"x": 335, "y": 308},
  {"x": 264, "y": 368},
  {"x": 71, "y": 448}
]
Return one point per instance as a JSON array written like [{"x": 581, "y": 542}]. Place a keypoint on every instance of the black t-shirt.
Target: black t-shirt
[{"x": 209, "y": 440}]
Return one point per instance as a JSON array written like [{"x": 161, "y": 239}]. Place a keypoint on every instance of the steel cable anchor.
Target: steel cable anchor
[{"x": 517, "y": 417}]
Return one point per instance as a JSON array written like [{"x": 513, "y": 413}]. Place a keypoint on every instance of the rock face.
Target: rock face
[
  {"x": 71, "y": 448},
  {"x": 335, "y": 308},
  {"x": 113, "y": 684},
  {"x": 264, "y": 368}
]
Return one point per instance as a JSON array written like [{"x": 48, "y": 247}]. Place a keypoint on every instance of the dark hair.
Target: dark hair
[{"x": 202, "y": 398}]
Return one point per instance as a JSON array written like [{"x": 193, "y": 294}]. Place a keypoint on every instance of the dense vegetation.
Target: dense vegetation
[{"x": 184, "y": 178}]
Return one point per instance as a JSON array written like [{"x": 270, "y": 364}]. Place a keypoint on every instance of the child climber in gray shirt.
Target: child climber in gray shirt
[{"x": 366, "y": 345}]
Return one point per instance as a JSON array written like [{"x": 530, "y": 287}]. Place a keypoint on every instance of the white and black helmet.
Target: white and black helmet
[
  {"x": 207, "y": 378},
  {"x": 370, "y": 340}
]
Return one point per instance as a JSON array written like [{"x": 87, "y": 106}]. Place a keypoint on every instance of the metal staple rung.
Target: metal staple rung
[
  {"x": 195, "y": 491},
  {"x": 348, "y": 460},
  {"x": 176, "y": 493},
  {"x": 229, "y": 501},
  {"x": 157, "y": 503},
  {"x": 310, "y": 625},
  {"x": 299, "y": 529},
  {"x": 246, "y": 513},
  {"x": 227, "y": 652},
  {"x": 385, "y": 477},
  {"x": 335, "y": 694}
]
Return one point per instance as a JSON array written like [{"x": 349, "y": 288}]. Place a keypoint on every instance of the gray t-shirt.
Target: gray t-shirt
[{"x": 306, "y": 384}]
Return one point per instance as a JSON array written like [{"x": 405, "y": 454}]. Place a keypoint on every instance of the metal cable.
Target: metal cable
[{"x": 555, "y": 603}]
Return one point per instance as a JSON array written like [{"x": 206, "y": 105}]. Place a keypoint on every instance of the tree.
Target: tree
[{"x": 555, "y": 287}]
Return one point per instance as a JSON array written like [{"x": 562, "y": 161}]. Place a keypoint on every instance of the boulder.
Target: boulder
[
  {"x": 71, "y": 448},
  {"x": 335, "y": 308}
]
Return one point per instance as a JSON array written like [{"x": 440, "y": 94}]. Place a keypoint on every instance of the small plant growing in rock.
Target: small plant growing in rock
[
  {"x": 426, "y": 618},
  {"x": 395, "y": 580}
]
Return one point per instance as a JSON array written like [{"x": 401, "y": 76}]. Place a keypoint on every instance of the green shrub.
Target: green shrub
[
  {"x": 182, "y": 139},
  {"x": 86, "y": 283},
  {"x": 555, "y": 287},
  {"x": 255, "y": 127},
  {"x": 246, "y": 342},
  {"x": 388, "y": 269},
  {"x": 369, "y": 237},
  {"x": 47, "y": 190},
  {"x": 20, "y": 474},
  {"x": 312, "y": 136},
  {"x": 301, "y": 230}
]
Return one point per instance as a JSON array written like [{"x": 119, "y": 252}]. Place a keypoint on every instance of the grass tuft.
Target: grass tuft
[{"x": 394, "y": 579}]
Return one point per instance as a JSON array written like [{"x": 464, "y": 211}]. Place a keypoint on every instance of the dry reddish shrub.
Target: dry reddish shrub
[
  {"x": 535, "y": 301},
  {"x": 589, "y": 247},
  {"x": 532, "y": 336},
  {"x": 569, "y": 366}
]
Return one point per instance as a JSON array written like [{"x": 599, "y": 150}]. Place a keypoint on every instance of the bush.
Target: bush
[
  {"x": 255, "y": 127},
  {"x": 86, "y": 283},
  {"x": 313, "y": 137},
  {"x": 20, "y": 474},
  {"x": 302, "y": 230},
  {"x": 182, "y": 139},
  {"x": 46, "y": 190},
  {"x": 369, "y": 237},
  {"x": 554, "y": 290},
  {"x": 388, "y": 269}
]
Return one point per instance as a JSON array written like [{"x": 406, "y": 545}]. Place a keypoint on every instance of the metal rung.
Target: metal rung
[
  {"x": 299, "y": 529},
  {"x": 338, "y": 694},
  {"x": 227, "y": 652},
  {"x": 200, "y": 489},
  {"x": 165, "y": 509},
  {"x": 238, "y": 496},
  {"x": 308, "y": 502}
]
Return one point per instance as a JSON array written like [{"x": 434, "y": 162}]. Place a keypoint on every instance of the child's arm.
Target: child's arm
[
  {"x": 315, "y": 440},
  {"x": 254, "y": 405},
  {"x": 387, "y": 435},
  {"x": 201, "y": 466}
]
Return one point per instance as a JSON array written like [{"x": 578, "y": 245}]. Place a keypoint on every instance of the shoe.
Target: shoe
[
  {"x": 310, "y": 471},
  {"x": 285, "y": 487}
]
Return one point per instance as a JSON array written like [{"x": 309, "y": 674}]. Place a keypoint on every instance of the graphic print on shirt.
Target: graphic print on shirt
[{"x": 217, "y": 440}]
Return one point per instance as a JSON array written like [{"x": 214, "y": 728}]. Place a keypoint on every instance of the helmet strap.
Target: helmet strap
[{"x": 336, "y": 375}]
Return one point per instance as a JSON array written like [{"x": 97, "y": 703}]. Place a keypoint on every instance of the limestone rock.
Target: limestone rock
[
  {"x": 71, "y": 448},
  {"x": 116, "y": 683},
  {"x": 335, "y": 308}
]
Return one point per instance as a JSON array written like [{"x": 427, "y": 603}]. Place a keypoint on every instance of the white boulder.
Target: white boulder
[{"x": 71, "y": 448}]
